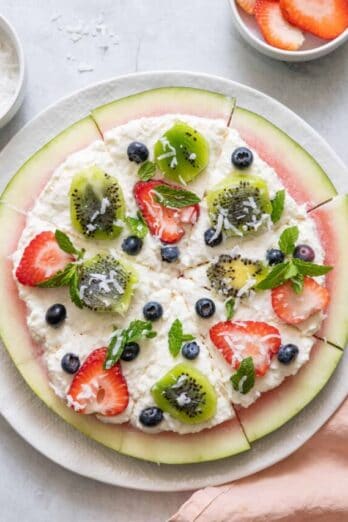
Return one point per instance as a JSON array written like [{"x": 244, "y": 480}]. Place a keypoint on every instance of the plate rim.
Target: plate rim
[{"x": 318, "y": 405}]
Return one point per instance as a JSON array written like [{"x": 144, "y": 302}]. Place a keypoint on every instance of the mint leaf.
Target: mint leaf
[
  {"x": 288, "y": 239},
  {"x": 291, "y": 271},
  {"x": 311, "y": 269},
  {"x": 278, "y": 206},
  {"x": 65, "y": 244},
  {"x": 275, "y": 278},
  {"x": 147, "y": 171},
  {"x": 74, "y": 290},
  {"x": 297, "y": 283},
  {"x": 136, "y": 330},
  {"x": 137, "y": 226},
  {"x": 175, "y": 198},
  {"x": 244, "y": 378},
  {"x": 61, "y": 278},
  {"x": 176, "y": 337},
  {"x": 229, "y": 306}
]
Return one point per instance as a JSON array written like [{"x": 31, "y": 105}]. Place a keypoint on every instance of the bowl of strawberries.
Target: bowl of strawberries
[{"x": 292, "y": 30}]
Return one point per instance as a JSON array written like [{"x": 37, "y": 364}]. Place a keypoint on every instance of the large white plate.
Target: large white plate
[{"x": 50, "y": 435}]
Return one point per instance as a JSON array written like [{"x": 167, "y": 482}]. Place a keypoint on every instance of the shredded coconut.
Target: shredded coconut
[{"x": 9, "y": 74}]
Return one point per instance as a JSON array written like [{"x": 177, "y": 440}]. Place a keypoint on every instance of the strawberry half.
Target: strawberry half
[
  {"x": 96, "y": 390},
  {"x": 41, "y": 259},
  {"x": 294, "y": 308},
  {"x": 163, "y": 222},
  {"x": 247, "y": 5},
  {"x": 324, "y": 18},
  {"x": 240, "y": 339},
  {"x": 275, "y": 29}
]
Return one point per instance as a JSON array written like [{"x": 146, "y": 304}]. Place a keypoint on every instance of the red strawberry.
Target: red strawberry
[
  {"x": 240, "y": 339},
  {"x": 324, "y": 18},
  {"x": 96, "y": 390},
  {"x": 41, "y": 259},
  {"x": 164, "y": 223},
  {"x": 293, "y": 308},
  {"x": 275, "y": 29},
  {"x": 247, "y": 5}
]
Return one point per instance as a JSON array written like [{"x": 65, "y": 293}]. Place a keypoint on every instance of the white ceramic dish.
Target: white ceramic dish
[
  {"x": 60, "y": 442},
  {"x": 9, "y": 32},
  {"x": 313, "y": 47}
]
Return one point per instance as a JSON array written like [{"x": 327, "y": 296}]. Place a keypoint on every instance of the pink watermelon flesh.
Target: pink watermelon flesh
[
  {"x": 276, "y": 407},
  {"x": 332, "y": 224},
  {"x": 302, "y": 176},
  {"x": 165, "y": 100},
  {"x": 23, "y": 189}
]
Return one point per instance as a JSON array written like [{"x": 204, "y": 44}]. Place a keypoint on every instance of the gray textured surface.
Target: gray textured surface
[{"x": 30, "y": 486}]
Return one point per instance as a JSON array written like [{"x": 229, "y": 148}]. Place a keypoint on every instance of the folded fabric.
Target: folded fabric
[{"x": 309, "y": 486}]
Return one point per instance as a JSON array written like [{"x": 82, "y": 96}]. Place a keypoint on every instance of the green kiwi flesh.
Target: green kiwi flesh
[
  {"x": 239, "y": 205},
  {"x": 106, "y": 284},
  {"x": 181, "y": 153},
  {"x": 186, "y": 394},
  {"x": 235, "y": 276},
  {"x": 96, "y": 204}
]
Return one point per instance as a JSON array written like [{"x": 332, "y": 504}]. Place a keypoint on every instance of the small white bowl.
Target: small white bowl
[
  {"x": 8, "y": 31},
  {"x": 312, "y": 48}
]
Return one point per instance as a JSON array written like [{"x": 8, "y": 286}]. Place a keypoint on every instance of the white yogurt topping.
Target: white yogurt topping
[{"x": 176, "y": 286}]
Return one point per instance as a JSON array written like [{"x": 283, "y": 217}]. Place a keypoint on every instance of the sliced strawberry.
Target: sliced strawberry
[
  {"x": 324, "y": 18},
  {"x": 247, "y": 5},
  {"x": 294, "y": 308},
  {"x": 240, "y": 339},
  {"x": 275, "y": 29},
  {"x": 164, "y": 223},
  {"x": 96, "y": 390},
  {"x": 41, "y": 259}
]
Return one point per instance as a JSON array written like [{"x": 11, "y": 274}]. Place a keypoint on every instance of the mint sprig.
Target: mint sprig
[
  {"x": 136, "y": 331},
  {"x": 65, "y": 244},
  {"x": 229, "y": 307},
  {"x": 172, "y": 197},
  {"x": 287, "y": 240},
  {"x": 176, "y": 337},
  {"x": 244, "y": 378},
  {"x": 137, "y": 226},
  {"x": 293, "y": 269},
  {"x": 278, "y": 206},
  {"x": 147, "y": 171}
]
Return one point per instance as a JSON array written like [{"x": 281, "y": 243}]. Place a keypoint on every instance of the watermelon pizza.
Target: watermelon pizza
[{"x": 173, "y": 267}]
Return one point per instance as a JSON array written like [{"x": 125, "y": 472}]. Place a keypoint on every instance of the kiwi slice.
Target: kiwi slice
[
  {"x": 239, "y": 205},
  {"x": 96, "y": 204},
  {"x": 181, "y": 153},
  {"x": 106, "y": 284},
  {"x": 186, "y": 394},
  {"x": 235, "y": 276}
]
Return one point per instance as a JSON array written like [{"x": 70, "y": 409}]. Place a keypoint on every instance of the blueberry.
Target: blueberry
[
  {"x": 137, "y": 152},
  {"x": 190, "y": 350},
  {"x": 55, "y": 314},
  {"x": 132, "y": 245},
  {"x": 242, "y": 157},
  {"x": 70, "y": 363},
  {"x": 205, "y": 307},
  {"x": 170, "y": 253},
  {"x": 287, "y": 353},
  {"x": 152, "y": 311},
  {"x": 151, "y": 416},
  {"x": 274, "y": 256},
  {"x": 130, "y": 352},
  {"x": 304, "y": 252},
  {"x": 211, "y": 239}
]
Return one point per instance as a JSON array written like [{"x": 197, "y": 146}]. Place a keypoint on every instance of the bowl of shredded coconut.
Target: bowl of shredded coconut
[{"x": 12, "y": 72}]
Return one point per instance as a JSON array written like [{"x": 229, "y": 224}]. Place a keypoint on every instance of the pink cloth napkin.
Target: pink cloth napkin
[{"x": 309, "y": 486}]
